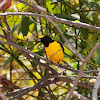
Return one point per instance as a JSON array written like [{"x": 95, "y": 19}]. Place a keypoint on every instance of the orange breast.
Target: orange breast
[{"x": 54, "y": 52}]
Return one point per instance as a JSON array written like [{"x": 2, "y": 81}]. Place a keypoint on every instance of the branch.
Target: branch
[
  {"x": 6, "y": 23},
  {"x": 39, "y": 63},
  {"x": 82, "y": 68},
  {"x": 2, "y": 3},
  {"x": 73, "y": 70},
  {"x": 30, "y": 52},
  {"x": 48, "y": 82},
  {"x": 77, "y": 80},
  {"x": 29, "y": 89},
  {"x": 54, "y": 18},
  {"x": 23, "y": 49},
  {"x": 92, "y": 51},
  {"x": 77, "y": 95},
  {"x": 40, "y": 57},
  {"x": 96, "y": 87}
]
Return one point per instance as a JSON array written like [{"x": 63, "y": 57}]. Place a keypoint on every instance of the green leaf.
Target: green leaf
[
  {"x": 25, "y": 25},
  {"x": 96, "y": 0},
  {"x": 94, "y": 5},
  {"x": 30, "y": 45},
  {"x": 23, "y": 44},
  {"x": 8, "y": 61},
  {"x": 84, "y": 32},
  {"x": 19, "y": 29},
  {"x": 14, "y": 28},
  {"x": 98, "y": 59}
]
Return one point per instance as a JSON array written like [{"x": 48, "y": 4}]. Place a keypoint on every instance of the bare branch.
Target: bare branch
[
  {"x": 82, "y": 68},
  {"x": 77, "y": 95},
  {"x": 73, "y": 70},
  {"x": 92, "y": 51},
  {"x": 77, "y": 80},
  {"x": 3, "y": 2},
  {"x": 2, "y": 96},
  {"x": 96, "y": 87},
  {"x": 29, "y": 89},
  {"x": 54, "y": 18},
  {"x": 48, "y": 82},
  {"x": 6, "y": 23},
  {"x": 23, "y": 49},
  {"x": 39, "y": 63}
]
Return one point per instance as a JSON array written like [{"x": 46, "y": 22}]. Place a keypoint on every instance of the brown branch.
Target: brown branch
[
  {"x": 8, "y": 28},
  {"x": 82, "y": 68},
  {"x": 48, "y": 82},
  {"x": 29, "y": 89},
  {"x": 77, "y": 95},
  {"x": 54, "y": 18},
  {"x": 6, "y": 23},
  {"x": 96, "y": 87},
  {"x": 77, "y": 80},
  {"x": 92, "y": 51},
  {"x": 23, "y": 49},
  {"x": 85, "y": 76},
  {"x": 2, "y": 96},
  {"x": 73, "y": 70},
  {"x": 39, "y": 63},
  {"x": 2, "y": 2}
]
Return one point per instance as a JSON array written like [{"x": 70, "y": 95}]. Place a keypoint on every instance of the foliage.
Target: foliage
[{"x": 24, "y": 30}]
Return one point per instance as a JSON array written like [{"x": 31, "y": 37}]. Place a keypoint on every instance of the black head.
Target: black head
[{"x": 46, "y": 40}]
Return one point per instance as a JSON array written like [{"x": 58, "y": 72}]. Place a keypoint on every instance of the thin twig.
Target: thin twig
[
  {"x": 39, "y": 63},
  {"x": 23, "y": 49},
  {"x": 78, "y": 96},
  {"x": 96, "y": 87},
  {"x": 92, "y": 51},
  {"x": 6, "y": 23},
  {"x": 77, "y": 80}
]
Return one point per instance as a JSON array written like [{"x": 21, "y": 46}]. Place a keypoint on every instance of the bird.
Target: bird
[{"x": 54, "y": 49}]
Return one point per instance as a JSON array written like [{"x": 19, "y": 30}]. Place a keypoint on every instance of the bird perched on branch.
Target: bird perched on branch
[{"x": 54, "y": 49}]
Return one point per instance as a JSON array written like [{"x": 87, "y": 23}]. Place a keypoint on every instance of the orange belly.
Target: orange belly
[{"x": 54, "y": 52}]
